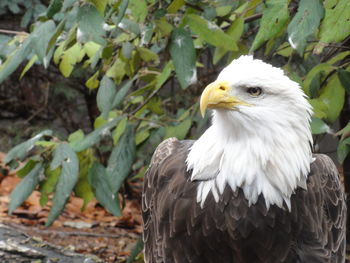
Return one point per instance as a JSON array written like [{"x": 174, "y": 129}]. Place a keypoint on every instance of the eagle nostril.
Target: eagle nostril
[{"x": 222, "y": 88}]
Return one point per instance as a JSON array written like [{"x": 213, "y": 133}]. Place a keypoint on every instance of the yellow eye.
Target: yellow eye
[{"x": 255, "y": 91}]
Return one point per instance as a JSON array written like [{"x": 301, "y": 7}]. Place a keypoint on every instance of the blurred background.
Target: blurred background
[{"x": 89, "y": 88}]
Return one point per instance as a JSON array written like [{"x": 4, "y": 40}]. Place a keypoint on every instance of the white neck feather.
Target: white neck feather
[{"x": 262, "y": 156}]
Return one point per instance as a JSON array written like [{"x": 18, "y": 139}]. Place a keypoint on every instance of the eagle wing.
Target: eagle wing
[
  {"x": 154, "y": 191},
  {"x": 323, "y": 212}
]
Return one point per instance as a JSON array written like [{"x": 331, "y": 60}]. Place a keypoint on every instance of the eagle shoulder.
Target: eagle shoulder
[{"x": 164, "y": 149}]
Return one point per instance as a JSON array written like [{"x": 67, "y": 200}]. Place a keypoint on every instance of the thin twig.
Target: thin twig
[
  {"x": 253, "y": 7},
  {"x": 70, "y": 233},
  {"x": 147, "y": 120},
  {"x": 329, "y": 44},
  {"x": 252, "y": 18},
  {"x": 78, "y": 233},
  {"x": 198, "y": 8},
  {"x": 46, "y": 99},
  {"x": 148, "y": 99},
  {"x": 11, "y": 32}
]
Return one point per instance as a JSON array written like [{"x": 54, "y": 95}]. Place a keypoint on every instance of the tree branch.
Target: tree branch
[
  {"x": 252, "y": 18},
  {"x": 11, "y": 32}
]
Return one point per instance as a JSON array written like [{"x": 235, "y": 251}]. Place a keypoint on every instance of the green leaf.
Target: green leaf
[
  {"x": 13, "y": 7},
  {"x": 40, "y": 39},
  {"x": 179, "y": 131},
  {"x": 26, "y": 168},
  {"x": 15, "y": 59},
  {"x": 183, "y": 55},
  {"x": 101, "y": 184},
  {"x": 235, "y": 31},
  {"x": 285, "y": 50},
  {"x": 163, "y": 77},
  {"x": 99, "y": 121},
  {"x": 304, "y": 24},
  {"x": 275, "y": 17},
  {"x": 320, "y": 68},
  {"x": 139, "y": 10},
  {"x": 224, "y": 10},
  {"x": 129, "y": 26},
  {"x": 75, "y": 137},
  {"x": 90, "y": 23},
  {"x": 83, "y": 189},
  {"x": 68, "y": 4},
  {"x": 127, "y": 49},
  {"x": 319, "y": 108},
  {"x": 344, "y": 77},
  {"x": 210, "y": 32},
  {"x": 121, "y": 93},
  {"x": 53, "y": 40},
  {"x": 117, "y": 70},
  {"x": 69, "y": 58},
  {"x": 54, "y": 7},
  {"x": 91, "y": 48},
  {"x": 46, "y": 144},
  {"x": 335, "y": 26},
  {"x": 315, "y": 85},
  {"x": 25, "y": 188},
  {"x": 163, "y": 27},
  {"x": 175, "y": 6},
  {"x": 345, "y": 132},
  {"x": 93, "y": 82},
  {"x": 333, "y": 96},
  {"x": 343, "y": 150},
  {"x": 100, "y": 5},
  {"x": 119, "y": 130},
  {"x": 141, "y": 136},
  {"x": 121, "y": 159},
  {"x": 148, "y": 55},
  {"x": 58, "y": 53},
  {"x": 155, "y": 105},
  {"x": 28, "y": 66},
  {"x": 105, "y": 96},
  {"x": 318, "y": 126},
  {"x": 65, "y": 157},
  {"x": 21, "y": 150},
  {"x": 94, "y": 137},
  {"x": 122, "y": 9},
  {"x": 338, "y": 57},
  {"x": 48, "y": 186},
  {"x": 146, "y": 33}
]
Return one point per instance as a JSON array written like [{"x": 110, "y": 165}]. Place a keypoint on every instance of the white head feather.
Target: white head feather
[{"x": 265, "y": 149}]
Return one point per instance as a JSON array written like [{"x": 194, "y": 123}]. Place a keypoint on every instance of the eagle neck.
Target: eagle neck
[{"x": 260, "y": 161}]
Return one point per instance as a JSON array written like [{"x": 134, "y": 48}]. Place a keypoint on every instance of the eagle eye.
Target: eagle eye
[{"x": 254, "y": 91}]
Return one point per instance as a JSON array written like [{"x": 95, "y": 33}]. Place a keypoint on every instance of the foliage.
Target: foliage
[
  {"x": 32, "y": 9},
  {"x": 142, "y": 59}
]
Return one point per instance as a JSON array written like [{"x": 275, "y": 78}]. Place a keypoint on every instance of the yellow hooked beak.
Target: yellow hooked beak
[{"x": 217, "y": 95}]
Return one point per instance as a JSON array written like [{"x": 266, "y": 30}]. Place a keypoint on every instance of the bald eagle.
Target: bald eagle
[{"x": 249, "y": 189}]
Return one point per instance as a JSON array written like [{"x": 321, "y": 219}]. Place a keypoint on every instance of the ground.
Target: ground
[{"x": 93, "y": 232}]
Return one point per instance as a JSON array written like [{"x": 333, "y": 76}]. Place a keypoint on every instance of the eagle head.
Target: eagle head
[
  {"x": 249, "y": 91},
  {"x": 260, "y": 138}
]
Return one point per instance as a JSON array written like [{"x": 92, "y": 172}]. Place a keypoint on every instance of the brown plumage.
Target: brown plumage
[{"x": 177, "y": 229}]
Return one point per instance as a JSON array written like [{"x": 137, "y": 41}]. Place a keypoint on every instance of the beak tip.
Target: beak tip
[{"x": 203, "y": 105}]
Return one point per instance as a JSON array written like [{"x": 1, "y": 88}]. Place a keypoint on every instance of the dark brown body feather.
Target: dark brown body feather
[{"x": 177, "y": 229}]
